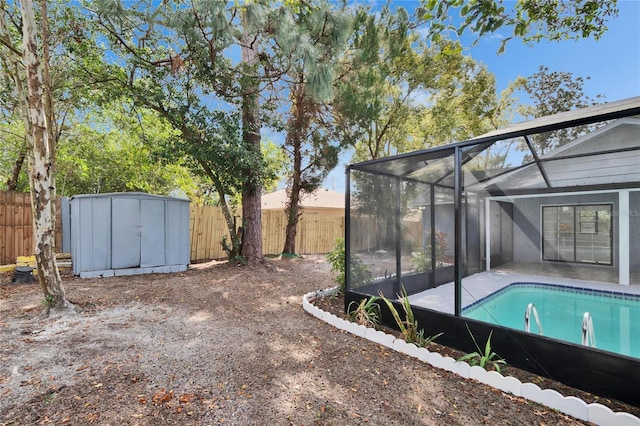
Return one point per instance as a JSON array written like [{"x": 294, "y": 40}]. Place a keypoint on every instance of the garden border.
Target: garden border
[{"x": 594, "y": 412}]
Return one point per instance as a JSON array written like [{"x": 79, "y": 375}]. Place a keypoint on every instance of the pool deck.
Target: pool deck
[{"x": 477, "y": 286}]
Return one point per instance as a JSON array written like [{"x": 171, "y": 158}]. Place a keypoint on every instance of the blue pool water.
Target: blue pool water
[{"x": 616, "y": 316}]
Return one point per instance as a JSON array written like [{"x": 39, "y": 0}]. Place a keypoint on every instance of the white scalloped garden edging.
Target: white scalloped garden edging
[{"x": 594, "y": 412}]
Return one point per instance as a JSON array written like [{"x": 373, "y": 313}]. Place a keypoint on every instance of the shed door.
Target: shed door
[
  {"x": 125, "y": 233},
  {"x": 152, "y": 245}
]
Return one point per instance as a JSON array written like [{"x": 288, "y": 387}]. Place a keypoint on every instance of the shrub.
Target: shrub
[
  {"x": 360, "y": 273},
  {"x": 422, "y": 259}
]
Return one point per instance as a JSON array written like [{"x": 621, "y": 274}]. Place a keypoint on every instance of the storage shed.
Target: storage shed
[{"x": 128, "y": 233}]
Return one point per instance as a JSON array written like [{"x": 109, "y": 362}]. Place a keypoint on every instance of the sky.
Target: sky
[{"x": 612, "y": 63}]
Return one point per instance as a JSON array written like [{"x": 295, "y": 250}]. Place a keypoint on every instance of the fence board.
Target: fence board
[
  {"x": 207, "y": 228},
  {"x": 317, "y": 234},
  {"x": 16, "y": 231}
]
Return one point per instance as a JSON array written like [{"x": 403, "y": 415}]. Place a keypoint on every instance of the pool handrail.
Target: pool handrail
[
  {"x": 531, "y": 308},
  {"x": 588, "y": 334}
]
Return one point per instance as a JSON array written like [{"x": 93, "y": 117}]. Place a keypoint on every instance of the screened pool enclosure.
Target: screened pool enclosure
[{"x": 555, "y": 201}]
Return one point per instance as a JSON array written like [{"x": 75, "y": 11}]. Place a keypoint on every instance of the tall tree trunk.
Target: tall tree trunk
[
  {"x": 41, "y": 167},
  {"x": 47, "y": 94},
  {"x": 293, "y": 217},
  {"x": 294, "y": 140},
  {"x": 252, "y": 187}
]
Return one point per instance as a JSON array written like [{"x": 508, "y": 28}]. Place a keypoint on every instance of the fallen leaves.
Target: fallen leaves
[
  {"x": 186, "y": 398},
  {"x": 162, "y": 397},
  {"x": 168, "y": 399}
]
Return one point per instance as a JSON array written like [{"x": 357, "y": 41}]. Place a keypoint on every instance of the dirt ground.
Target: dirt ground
[{"x": 220, "y": 344}]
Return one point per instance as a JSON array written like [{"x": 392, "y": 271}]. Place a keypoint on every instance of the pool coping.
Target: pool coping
[{"x": 594, "y": 412}]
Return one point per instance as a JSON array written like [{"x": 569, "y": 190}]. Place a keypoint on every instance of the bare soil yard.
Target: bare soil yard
[{"x": 220, "y": 344}]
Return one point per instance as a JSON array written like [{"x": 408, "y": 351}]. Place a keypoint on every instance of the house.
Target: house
[
  {"x": 577, "y": 204},
  {"x": 321, "y": 202},
  {"x": 321, "y": 222}
]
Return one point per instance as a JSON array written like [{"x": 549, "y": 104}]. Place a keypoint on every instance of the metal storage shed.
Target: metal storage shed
[{"x": 128, "y": 233}]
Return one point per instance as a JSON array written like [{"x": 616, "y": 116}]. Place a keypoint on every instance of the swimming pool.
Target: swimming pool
[{"x": 616, "y": 316}]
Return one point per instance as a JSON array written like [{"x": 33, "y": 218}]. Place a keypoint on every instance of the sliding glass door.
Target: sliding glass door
[{"x": 577, "y": 233}]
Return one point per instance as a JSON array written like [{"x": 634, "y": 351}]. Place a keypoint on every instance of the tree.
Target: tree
[
  {"x": 63, "y": 87},
  {"x": 551, "y": 93},
  {"x": 399, "y": 94},
  {"x": 152, "y": 73},
  {"x": 529, "y": 20},
  {"x": 38, "y": 116},
  {"x": 179, "y": 58},
  {"x": 252, "y": 188},
  {"x": 309, "y": 141},
  {"x": 118, "y": 149}
]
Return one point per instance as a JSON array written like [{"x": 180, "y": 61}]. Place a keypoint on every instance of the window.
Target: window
[{"x": 578, "y": 233}]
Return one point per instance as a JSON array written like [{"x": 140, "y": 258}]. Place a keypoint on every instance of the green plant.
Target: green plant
[
  {"x": 48, "y": 300},
  {"x": 408, "y": 326},
  {"x": 422, "y": 259},
  {"x": 360, "y": 273},
  {"x": 487, "y": 359},
  {"x": 366, "y": 313}
]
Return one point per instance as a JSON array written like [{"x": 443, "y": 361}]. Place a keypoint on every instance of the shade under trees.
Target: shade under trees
[{"x": 211, "y": 70}]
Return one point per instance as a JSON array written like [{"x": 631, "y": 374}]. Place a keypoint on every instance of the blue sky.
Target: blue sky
[{"x": 611, "y": 63}]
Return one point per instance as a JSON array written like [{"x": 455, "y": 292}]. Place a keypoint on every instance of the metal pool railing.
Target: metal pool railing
[
  {"x": 588, "y": 335},
  {"x": 531, "y": 309}
]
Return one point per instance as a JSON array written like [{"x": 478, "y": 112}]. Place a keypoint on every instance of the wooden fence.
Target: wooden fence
[
  {"x": 316, "y": 233},
  {"x": 367, "y": 233},
  {"x": 16, "y": 231}
]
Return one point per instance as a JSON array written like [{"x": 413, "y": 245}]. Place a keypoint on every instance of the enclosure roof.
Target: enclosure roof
[
  {"x": 561, "y": 150},
  {"x": 610, "y": 110}
]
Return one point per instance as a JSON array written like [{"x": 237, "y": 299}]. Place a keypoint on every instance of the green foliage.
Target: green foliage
[
  {"x": 48, "y": 301},
  {"x": 338, "y": 264},
  {"x": 421, "y": 259},
  {"x": 531, "y": 21},
  {"x": 117, "y": 152},
  {"x": 366, "y": 313},
  {"x": 360, "y": 273},
  {"x": 387, "y": 68},
  {"x": 408, "y": 325},
  {"x": 399, "y": 94},
  {"x": 486, "y": 359},
  {"x": 552, "y": 92}
]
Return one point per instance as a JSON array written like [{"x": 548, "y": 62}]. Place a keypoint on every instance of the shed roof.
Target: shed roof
[
  {"x": 140, "y": 195},
  {"x": 321, "y": 198}
]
